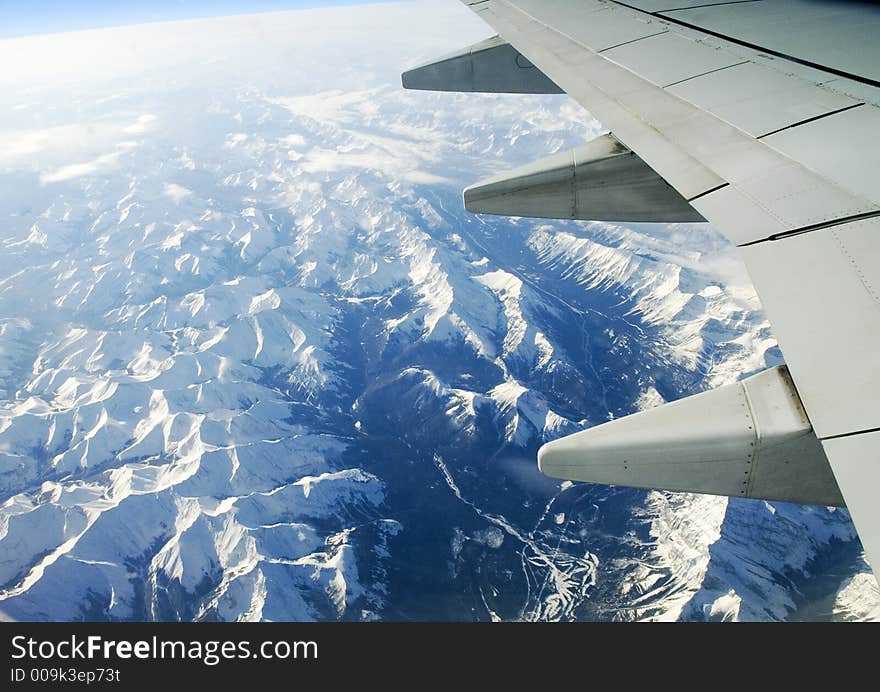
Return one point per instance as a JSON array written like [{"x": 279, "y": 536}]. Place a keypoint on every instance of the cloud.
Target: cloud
[
  {"x": 233, "y": 139},
  {"x": 141, "y": 124},
  {"x": 397, "y": 167},
  {"x": 67, "y": 151},
  {"x": 18, "y": 145},
  {"x": 77, "y": 170},
  {"x": 176, "y": 192}
]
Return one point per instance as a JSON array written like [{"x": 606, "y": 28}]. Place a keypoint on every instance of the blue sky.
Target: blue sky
[{"x": 29, "y": 17}]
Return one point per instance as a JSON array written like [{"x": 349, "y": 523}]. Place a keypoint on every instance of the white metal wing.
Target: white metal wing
[{"x": 760, "y": 116}]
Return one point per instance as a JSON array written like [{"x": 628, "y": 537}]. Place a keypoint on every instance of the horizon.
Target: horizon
[{"x": 47, "y": 17}]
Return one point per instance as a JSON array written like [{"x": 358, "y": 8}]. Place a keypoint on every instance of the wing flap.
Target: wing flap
[
  {"x": 855, "y": 461},
  {"x": 820, "y": 291},
  {"x": 840, "y": 147}
]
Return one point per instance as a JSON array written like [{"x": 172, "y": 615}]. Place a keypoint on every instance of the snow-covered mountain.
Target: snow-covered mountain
[{"x": 256, "y": 362}]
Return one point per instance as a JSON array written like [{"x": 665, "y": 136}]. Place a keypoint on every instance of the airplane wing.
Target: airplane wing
[{"x": 760, "y": 116}]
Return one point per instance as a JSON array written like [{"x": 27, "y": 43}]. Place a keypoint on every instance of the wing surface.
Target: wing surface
[{"x": 763, "y": 115}]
